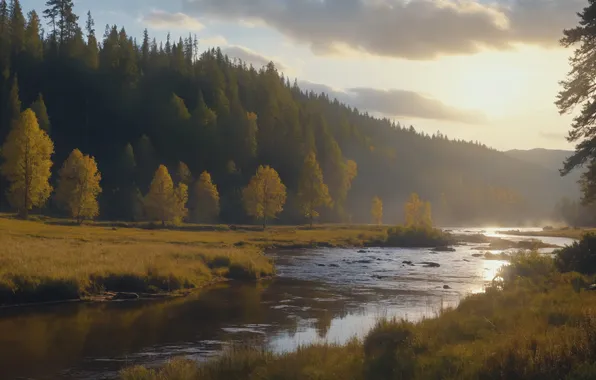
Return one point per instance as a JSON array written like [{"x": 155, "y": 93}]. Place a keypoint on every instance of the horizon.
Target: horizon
[{"x": 485, "y": 80}]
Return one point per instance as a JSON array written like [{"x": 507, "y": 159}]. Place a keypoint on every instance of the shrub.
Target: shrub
[
  {"x": 420, "y": 237},
  {"x": 578, "y": 257},
  {"x": 528, "y": 265}
]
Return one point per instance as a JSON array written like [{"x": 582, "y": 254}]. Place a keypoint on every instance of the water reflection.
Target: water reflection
[{"x": 321, "y": 295}]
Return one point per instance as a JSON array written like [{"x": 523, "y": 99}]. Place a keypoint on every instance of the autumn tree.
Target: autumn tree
[
  {"x": 265, "y": 195},
  {"x": 79, "y": 186},
  {"x": 205, "y": 200},
  {"x": 312, "y": 191},
  {"x": 417, "y": 212},
  {"x": 164, "y": 202},
  {"x": 27, "y": 156},
  {"x": 376, "y": 210}
]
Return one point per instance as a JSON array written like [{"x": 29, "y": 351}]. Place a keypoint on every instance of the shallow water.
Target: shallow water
[{"x": 320, "y": 295}]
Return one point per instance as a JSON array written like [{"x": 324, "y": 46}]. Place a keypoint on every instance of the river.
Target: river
[{"x": 320, "y": 295}]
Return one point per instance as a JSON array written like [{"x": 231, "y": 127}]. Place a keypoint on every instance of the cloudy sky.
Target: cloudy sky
[{"x": 473, "y": 69}]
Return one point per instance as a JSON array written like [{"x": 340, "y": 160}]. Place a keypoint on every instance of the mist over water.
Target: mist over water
[{"x": 320, "y": 295}]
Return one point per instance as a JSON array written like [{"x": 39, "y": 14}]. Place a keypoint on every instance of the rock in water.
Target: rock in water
[
  {"x": 126, "y": 296},
  {"x": 444, "y": 249},
  {"x": 446, "y": 287},
  {"x": 430, "y": 265}
]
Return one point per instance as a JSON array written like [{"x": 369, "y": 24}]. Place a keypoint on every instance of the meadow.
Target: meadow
[{"x": 53, "y": 260}]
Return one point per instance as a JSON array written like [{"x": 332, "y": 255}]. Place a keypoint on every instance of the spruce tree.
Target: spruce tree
[{"x": 39, "y": 107}]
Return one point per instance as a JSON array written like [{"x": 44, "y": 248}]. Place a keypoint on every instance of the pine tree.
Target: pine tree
[
  {"x": 17, "y": 27},
  {"x": 376, "y": 211},
  {"x": 265, "y": 195},
  {"x": 63, "y": 20},
  {"x": 578, "y": 93},
  {"x": 4, "y": 37},
  {"x": 79, "y": 186},
  {"x": 312, "y": 191},
  {"x": 14, "y": 103},
  {"x": 92, "y": 54},
  {"x": 39, "y": 107},
  {"x": 27, "y": 162},
  {"x": 164, "y": 202},
  {"x": 184, "y": 174},
  {"x": 205, "y": 200},
  {"x": 33, "y": 42}
]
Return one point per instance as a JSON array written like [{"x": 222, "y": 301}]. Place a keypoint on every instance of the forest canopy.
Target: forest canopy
[{"x": 135, "y": 103}]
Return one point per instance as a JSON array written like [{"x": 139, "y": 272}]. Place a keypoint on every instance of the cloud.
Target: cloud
[
  {"x": 411, "y": 29},
  {"x": 164, "y": 20},
  {"x": 399, "y": 103},
  {"x": 213, "y": 41},
  {"x": 251, "y": 57}
]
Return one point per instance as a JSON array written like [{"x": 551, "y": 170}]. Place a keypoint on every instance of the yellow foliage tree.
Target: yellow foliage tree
[
  {"x": 312, "y": 191},
  {"x": 265, "y": 195},
  {"x": 417, "y": 212},
  {"x": 376, "y": 210},
  {"x": 205, "y": 200},
  {"x": 78, "y": 186},
  {"x": 27, "y": 156},
  {"x": 164, "y": 202}
]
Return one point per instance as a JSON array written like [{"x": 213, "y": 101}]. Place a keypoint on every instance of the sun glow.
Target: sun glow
[{"x": 501, "y": 84}]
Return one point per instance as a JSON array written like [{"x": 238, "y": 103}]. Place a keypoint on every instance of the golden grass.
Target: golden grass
[{"x": 48, "y": 260}]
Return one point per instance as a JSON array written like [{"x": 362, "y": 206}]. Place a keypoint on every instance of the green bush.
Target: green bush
[
  {"x": 579, "y": 257},
  {"x": 418, "y": 237}
]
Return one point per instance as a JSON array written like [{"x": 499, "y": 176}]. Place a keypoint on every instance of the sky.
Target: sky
[{"x": 472, "y": 69}]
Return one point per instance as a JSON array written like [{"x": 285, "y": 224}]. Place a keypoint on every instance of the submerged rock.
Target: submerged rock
[
  {"x": 126, "y": 296},
  {"x": 362, "y": 251},
  {"x": 477, "y": 255},
  {"x": 334, "y": 265},
  {"x": 444, "y": 249},
  {"x": 446, "y": 287},
  {"x": 428, "y": 264},
  {"x": 407, "y": 262},
  {"x": 321, "y": 265}
]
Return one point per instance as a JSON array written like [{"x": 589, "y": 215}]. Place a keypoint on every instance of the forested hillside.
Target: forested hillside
[{"x": 135, "y": 104}]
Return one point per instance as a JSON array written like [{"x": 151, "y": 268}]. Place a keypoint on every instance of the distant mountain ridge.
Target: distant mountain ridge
[
  {"x": 548, "y": 158},
  {"x": 552, "y": 159}
]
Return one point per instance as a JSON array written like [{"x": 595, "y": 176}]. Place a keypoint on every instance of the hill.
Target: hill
[
  {"x": 548, "y": 158},
  {"x": 135, "y": 105}
]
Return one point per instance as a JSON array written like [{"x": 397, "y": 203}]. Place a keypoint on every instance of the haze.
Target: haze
[{"x": 476, "y": 70}]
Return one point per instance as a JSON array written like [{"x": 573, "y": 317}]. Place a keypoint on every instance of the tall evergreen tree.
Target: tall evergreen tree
[
  {"x": 39, "y": 107},
  {"x": 17, "y": 27},
  {"x": 92, "y": 54},
  {"x": 577, "y": 90},
  {"x": 33, "y": 42}
]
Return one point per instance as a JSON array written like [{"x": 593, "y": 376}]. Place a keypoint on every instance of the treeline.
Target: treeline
[
  {"x": 575, "y": 213},
  {"x": 135, "y": 105}
]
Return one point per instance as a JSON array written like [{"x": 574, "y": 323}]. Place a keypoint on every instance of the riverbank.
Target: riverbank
[
  {"x": 51, "y": 260},
  {"x": 536, "y": 323},
  {"x": 570, "y": 233}
]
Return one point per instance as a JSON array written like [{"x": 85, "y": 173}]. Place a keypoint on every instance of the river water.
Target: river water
[{"x": 320, "y": 295}]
